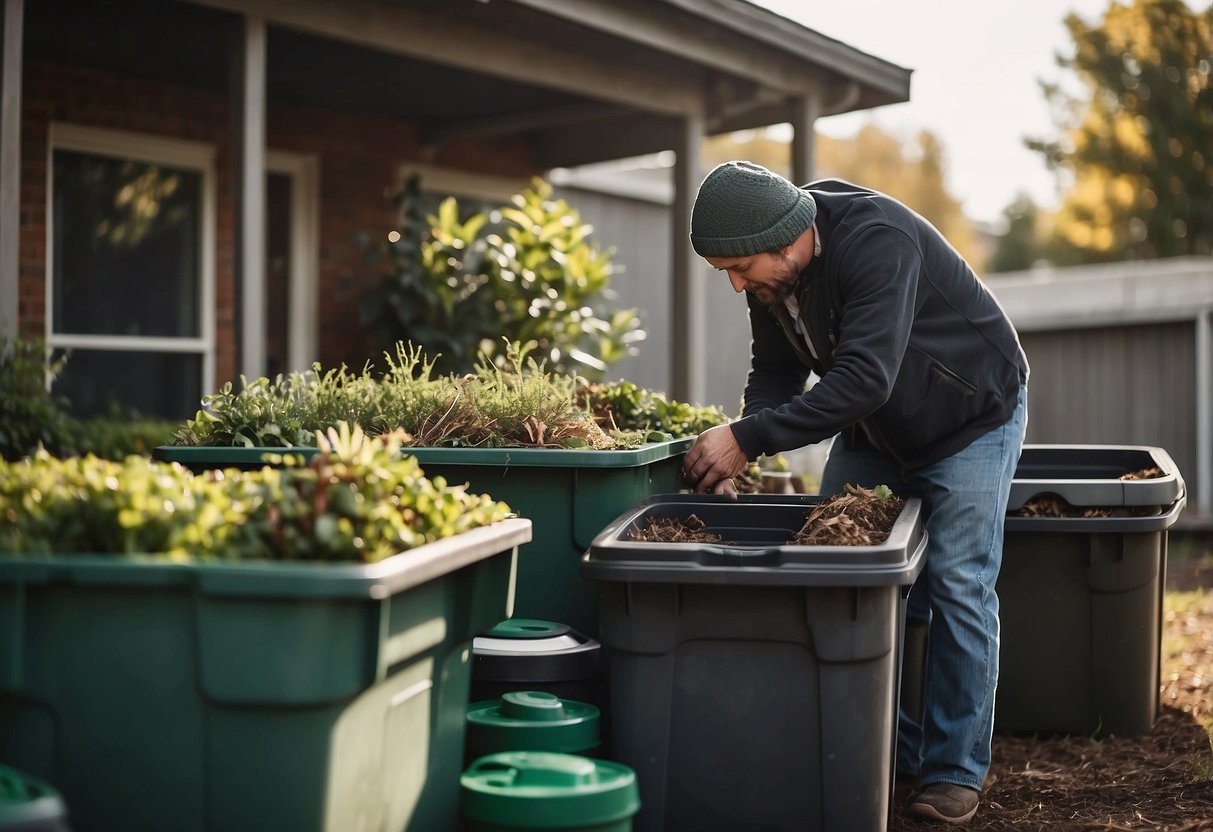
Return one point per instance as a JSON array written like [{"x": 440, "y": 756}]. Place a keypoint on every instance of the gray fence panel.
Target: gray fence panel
[{"x": 1123, "y": 385}]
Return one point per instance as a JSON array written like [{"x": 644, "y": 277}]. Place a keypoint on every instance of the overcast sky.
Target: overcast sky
[{"x": 976, "y": 66}]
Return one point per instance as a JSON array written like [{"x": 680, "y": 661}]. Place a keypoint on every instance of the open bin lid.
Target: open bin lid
[
  {"x": 1090, "y": 475},
  {"x": 754, "y": 551}
]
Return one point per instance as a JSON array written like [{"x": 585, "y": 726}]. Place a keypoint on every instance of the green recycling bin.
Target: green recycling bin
[
  {"x": 211, "y": 696},
  {"x": 531, "y": 720},
  {"x": 528, "y": 791},
  {"x": 754, "y": 682},
  {"x": 570, "y": 494},
  {"x": 29, "y": 805},
  {"x": 1082, "y": 596}
]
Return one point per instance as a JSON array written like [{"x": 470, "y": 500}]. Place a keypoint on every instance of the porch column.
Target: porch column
[
  {"x": 806, "y": 109},
  {"x": 688, "y": 362},
  {"x": 250, "y": 227},
  {"x": 10, "y": 165},
  {"x": 1204, "y": 412}
]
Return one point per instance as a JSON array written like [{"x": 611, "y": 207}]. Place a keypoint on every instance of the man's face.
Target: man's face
[{"x": 770, "y": 276}]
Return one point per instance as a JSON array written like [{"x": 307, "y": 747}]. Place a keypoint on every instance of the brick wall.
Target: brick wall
[{"x": 358, "y": 158}]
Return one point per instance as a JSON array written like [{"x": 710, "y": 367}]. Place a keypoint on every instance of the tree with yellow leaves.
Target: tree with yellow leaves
[{"x": 1139, "y": 142}]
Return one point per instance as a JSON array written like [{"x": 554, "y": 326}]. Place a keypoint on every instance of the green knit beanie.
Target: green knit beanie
[{"x": 743, "y": 209}]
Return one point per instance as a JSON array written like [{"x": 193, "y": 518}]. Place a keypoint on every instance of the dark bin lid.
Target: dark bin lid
[
  {"x": 25, "y": 800},
  {"x": 531, "y": 721},
  {"x": 532, "y": 652},
  {"x": 1090, "y": 475},
  {"x": 756, "y": 528},
  {"x": 545, "y": 790}
]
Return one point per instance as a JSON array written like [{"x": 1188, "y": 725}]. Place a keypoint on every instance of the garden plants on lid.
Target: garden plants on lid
[
  {"x": 358, "y": 499},
  {"x": 519, "y": 405}
]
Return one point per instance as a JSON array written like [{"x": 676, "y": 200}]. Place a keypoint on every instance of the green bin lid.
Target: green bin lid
[
  {"x": 544, "y": 790},
  {"x": 26, "y": 800},
  {"x": 531, "y": 720},
  {"x": 528, "y": 628}
]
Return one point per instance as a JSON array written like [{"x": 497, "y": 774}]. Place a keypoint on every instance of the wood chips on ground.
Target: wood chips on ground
[{"x": 1161, "y": 782}]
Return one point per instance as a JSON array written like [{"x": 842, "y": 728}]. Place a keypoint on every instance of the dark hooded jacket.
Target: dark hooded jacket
[{"x": 914, "y": 355}]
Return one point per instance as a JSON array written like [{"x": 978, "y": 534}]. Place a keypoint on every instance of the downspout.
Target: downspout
[{"x": 1204, "y": 412}]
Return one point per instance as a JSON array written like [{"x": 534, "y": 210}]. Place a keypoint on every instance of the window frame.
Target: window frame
[{"x": 140, "y": 147}]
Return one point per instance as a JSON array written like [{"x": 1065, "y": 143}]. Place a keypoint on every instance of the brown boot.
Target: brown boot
[{"x": 946, "y": 802}]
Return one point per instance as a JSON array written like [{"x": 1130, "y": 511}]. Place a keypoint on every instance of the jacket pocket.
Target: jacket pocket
[
  {"x": 942, "y": 375},
  {"x": 929, "y": 402}
]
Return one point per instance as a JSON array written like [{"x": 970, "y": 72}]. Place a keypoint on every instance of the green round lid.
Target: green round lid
[
  {"x": 528, "y": 628},
  {"x": 531, "y": 720},
  {"x": 24, "y": 799},
  {"x": 545, "y": 790}
]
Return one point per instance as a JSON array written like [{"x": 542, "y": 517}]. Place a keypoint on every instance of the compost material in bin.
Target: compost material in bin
[
  {"x": 1052, "y": 505},
  {"x": 855, "y": 517}
]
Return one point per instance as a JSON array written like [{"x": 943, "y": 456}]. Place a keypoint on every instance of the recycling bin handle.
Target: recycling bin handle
[
  {"x": 734, "y": 556},
  {"x": 920, "y": 554}
]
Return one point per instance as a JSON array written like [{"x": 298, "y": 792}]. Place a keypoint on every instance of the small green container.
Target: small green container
[
  {"x": 570, "y": 495},
  {"x": 529, "y": 720},
  {"x": 29, "y": 805},
  {"x": 521, "y": 791}
]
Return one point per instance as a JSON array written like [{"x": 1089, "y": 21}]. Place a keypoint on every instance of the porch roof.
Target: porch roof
[{"x": 577, "y": 81}]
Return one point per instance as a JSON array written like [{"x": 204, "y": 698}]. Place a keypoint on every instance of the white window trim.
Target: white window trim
[
  {"x": 158, "y": 150},
  {"x": 304, "y": 171}
]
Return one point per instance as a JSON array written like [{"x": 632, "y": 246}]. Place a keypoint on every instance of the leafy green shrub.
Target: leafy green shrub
[
  {"x": 29, "y": 415},
  {"x": 358, "y": 498},
  {"x": 86, "y": 504},
  {"x": 525, "y": 273},
  {"x": 114, "y": 438},
  {"x": 626, "y": 406}
]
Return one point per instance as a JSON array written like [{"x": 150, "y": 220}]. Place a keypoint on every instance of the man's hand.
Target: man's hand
[{"x": 713, "y": 461}]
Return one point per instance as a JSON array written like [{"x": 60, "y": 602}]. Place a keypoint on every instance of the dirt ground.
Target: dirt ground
[{"x": 1161, "y": 782}]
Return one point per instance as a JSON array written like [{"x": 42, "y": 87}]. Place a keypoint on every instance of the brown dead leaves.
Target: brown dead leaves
[
  {"x": 855, "y": 517},
  {"x": 1052, "y": 505}
]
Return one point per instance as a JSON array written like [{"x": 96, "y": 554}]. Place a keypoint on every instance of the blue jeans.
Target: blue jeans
[{"x": 965, "y": 499}]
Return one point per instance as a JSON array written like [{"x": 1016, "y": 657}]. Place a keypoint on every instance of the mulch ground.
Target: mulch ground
[{"x": 1161, "y": 782}]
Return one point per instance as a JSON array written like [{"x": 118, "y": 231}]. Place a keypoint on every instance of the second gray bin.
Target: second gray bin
[
  {"x": 754, "y": 683},
  {"x": 1082, "y": 597}
]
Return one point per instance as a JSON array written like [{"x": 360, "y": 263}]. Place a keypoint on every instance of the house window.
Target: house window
[
  {"x": 291, "y": 259},
  {"x": 131, "y": 275}
]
